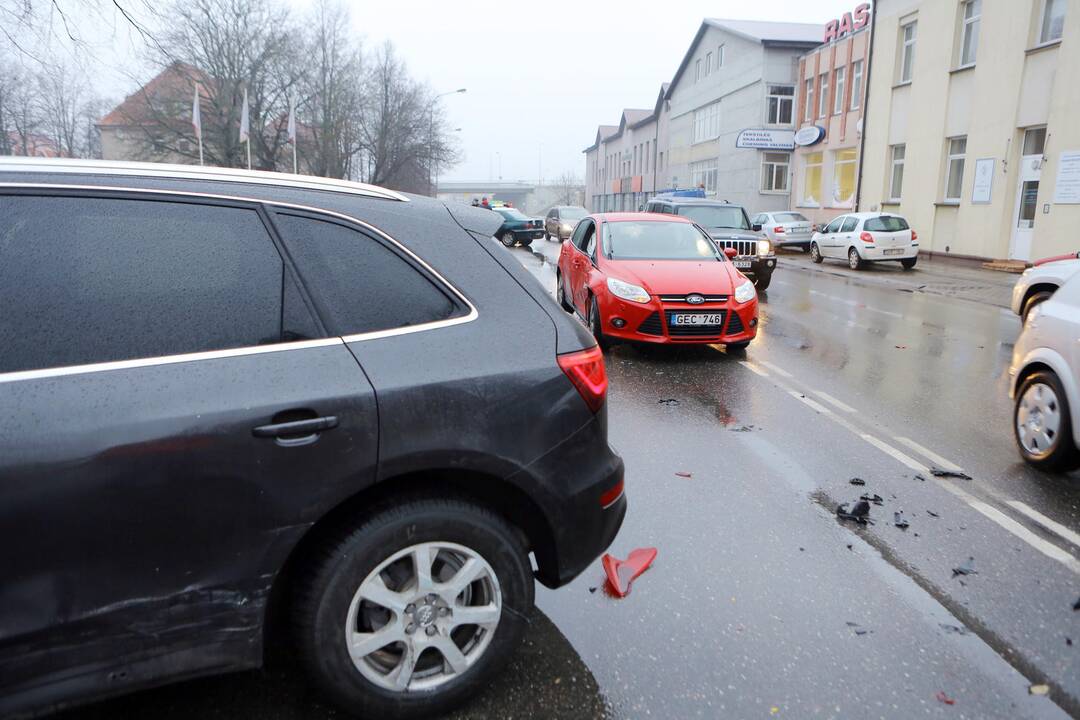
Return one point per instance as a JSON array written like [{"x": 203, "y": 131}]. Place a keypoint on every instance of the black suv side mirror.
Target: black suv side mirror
[{"x": 756, "y": 227}]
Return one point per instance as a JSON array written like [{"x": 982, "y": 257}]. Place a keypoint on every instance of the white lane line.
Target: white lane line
[
  {"x": 890, "y": 450},
  {"x": 833, "y": 401},
  {"x": 815, "y": 406},
  {"x": 779, "y": 371},
  {"x": 930, "y": 455},
  {"x": 1046, "y": 548},
  {"x": 1046, "y": 522},
  {"x": 755, "y": 368}
]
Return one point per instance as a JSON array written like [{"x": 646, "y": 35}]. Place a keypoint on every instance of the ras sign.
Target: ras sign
[{"x": 848, "y": 23}]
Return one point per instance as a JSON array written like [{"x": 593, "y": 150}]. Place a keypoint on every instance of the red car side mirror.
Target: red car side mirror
[{"x": 731, "y": 253}]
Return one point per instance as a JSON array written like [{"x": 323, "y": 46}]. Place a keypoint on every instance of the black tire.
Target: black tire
[
  {"x": 737, "y": 347},
  {"x": 507, "y": 239},
  {"x": 324, "y": 593},
  {"x": 526, "y": 242},
  {"x": 1032, "y": 300},
  {"x": 1061, "y": 455},
  {"x": 854, "y": 261},
  {"x": 908, "y": 263},
  {"x": 761, "y": 282},
  {"x": 596, "y": 325},
  {"x": 815, "y": 253},
  {"x": 560, "y": 294}
]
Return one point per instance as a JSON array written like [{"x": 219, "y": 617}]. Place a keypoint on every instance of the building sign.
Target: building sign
[
  {"x": 848, "y": 23},
  {"x": 809, "y": 135},
  {"x": 1067, "y": 187},
  {"x": 984, "y": 181},
  {"x": 766, "y": 139}
]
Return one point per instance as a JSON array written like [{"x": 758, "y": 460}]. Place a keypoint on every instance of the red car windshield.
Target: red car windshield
[{"x": 657, "y": 241}]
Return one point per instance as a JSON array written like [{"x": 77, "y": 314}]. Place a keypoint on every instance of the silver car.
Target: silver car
[
  {"x": 1045, "y": 382},
  {"x": 786, "y": 228},
  {"x": 1039, "y": 283}
]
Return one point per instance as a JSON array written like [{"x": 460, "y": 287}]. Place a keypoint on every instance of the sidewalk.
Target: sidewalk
[{"x": 949, "y": 278}]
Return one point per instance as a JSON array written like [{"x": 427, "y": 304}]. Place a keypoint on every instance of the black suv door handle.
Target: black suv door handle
[{"x": 296, "y": 430}]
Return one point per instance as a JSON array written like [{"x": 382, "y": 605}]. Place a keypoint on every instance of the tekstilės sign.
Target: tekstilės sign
[
  {"x": 847, "y": 23},
  {"x": 809, "y": 135},
  {"x": 761, "y": 139}
]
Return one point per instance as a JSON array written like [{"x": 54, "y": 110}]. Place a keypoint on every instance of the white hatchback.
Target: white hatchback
[
  {"x": 860, "y": 238},
  {"x": 1045, "y": 382}
]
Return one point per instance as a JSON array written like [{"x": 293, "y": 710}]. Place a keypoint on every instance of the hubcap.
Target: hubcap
[
  {"x": 1038, "y": 417},
  {"x": 423, "y": 617}
]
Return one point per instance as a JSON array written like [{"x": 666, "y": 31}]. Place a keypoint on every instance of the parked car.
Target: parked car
[
  {"x": 654, "y": 279},
  {"x": 861, "y": 238},
  {"x": 1038, "y": 283},
  {"x": 786, "y": 229},
  {"x": 517, "y": 227},
  {"x": 560, "y": 221},
  {"x": 1045, "y": 385},
  {"x": 729, "y": 227},
  {"x": 190, "y": 436}
]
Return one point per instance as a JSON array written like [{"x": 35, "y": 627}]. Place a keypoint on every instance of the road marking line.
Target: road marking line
[
  {"x": 753, "y": 367},
  {"x": 890, "y": 450},
  {"x": 818, "y": 407},
  {"x": 1046, "y": 548},
  {"x": 930, "y": 454},
  {"x": 779, "y": 371},
  {"x": 1046, "y": 522},
  {"x": 830, "y": 399}
]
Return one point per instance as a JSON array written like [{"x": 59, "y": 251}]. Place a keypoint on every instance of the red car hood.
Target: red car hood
[{"x": 677, "y": 277}]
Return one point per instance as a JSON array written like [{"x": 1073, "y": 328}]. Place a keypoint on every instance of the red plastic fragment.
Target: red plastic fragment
[
  {"x": 941, "y": 696},
  {"x": 620, "y": 573}
]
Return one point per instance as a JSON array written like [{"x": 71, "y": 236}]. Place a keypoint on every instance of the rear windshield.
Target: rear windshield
[
  {"x": 711, "y": 216},
  {"x": 657, "y": 241},
  {"x": 789, "y": 217},
  {"x": 511, "y": 213},
  {"x": 888, "y": 223},
  {"x": 572, "y": 213}
]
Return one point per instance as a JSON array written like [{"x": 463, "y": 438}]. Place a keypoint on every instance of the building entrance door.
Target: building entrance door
[{"x": 1027, "y": 194}]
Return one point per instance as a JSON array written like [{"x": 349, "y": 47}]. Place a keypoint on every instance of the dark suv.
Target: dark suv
[
  {"x": 243, "y": 410},
  {"x": 729, "y": 227}
]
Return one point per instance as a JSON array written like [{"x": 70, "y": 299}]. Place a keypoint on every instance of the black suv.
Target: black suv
[
  {"x": 244, "y": 410},
  {"x": 729, "y": 227}
]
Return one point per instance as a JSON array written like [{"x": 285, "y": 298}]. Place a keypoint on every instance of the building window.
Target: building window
[
  {"x": 1034, "y": 141},
  {"x": 708, "y": 63},
  {"x": 856, "y": 84},
  {"x": 969, "y": 35},
  {"x": 823, "y": 101},
  {"x": 812, "y": 180},
  {"x": 907, "y": 50},
  {"x": 1053, "y": 21},
  {"x": 719, "y": 57},
  {"x": 703, "y": 175},
  {"x": 844, "y": 178},
  {"x": 774, "y": 172},
  {"x": 954, "y": 180},
  {"x": 896, "y": 182},
  {"x": 707, "y": 123},
  {"x": 778, "y": 104},
  {"x": 697, "y": 70},
  {"x": 838, "y": 100},
  {"x": 809, "y": 100}
]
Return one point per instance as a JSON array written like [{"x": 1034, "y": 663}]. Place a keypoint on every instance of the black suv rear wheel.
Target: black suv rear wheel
[{"x": 415, "y": 609}]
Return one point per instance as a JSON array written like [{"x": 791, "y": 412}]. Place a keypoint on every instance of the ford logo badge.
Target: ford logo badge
[{"x": 695, "y": 299}]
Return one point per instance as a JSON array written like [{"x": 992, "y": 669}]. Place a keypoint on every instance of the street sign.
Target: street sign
[
  {"x": 762, "y": 139},
  {"x": 809, "y": 135}
]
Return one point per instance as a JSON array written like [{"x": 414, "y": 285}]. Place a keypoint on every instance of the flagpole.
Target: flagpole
[
  {"x": 295, "y": 171},
  {"x": 249, "y": 151},
  {"x": 200, "y": 150}
]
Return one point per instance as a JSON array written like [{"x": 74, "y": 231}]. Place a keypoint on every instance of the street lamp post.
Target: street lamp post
[{"x": 433, "y": 156}]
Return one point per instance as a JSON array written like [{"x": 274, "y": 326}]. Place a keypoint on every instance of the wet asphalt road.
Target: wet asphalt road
[{"x": 760, "y": 603}]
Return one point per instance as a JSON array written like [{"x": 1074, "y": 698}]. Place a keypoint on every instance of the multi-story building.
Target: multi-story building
[
  {"x": 972, "y": 127},
  {"x": 736, "y": 76},
  {"x": 829, "y": 103}
]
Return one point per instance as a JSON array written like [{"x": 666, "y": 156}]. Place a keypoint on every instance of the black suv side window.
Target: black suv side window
[
  {"x": 357, "y": 283},
  {"x": 88, "y": 280}
]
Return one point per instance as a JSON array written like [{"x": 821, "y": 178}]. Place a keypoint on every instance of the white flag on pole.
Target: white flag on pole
[
  {"x": 196, "y": 118},
  {"x": 244, "y": 120},
  {"x": 292, "y": 123}
]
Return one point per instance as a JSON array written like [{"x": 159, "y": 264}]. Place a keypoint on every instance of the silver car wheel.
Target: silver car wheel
[
  {"x": 1038, "y": 419},
  {"x": 423, "y": 617}
]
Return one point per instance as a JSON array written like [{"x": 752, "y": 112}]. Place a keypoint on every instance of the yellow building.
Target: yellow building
[{"x": 972, "y": 127}]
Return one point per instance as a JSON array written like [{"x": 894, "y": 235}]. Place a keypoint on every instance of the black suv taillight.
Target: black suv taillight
[{"x": 586, "y": 370}]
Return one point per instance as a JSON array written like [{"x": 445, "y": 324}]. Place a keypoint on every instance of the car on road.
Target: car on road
[
  {"x": 233, "y": 411},
  {"x": 1045, "y": 386},
  {"x": 1038, "y": 283},
  {"x": 517, "y": 227},
  {"x": 786, "y": 228},
  {"x": 861, "y": 238},
  {"x": 561, "y": 220},
  {"x": 729, "y": 227},
  {"x": 653, "y": 278}
]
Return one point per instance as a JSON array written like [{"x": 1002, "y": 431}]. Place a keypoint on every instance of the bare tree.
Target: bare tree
[
  {"x": 20, "y": 118},
  {"x": 61, "y": 95},
  {"x": 569, "y": 188}
]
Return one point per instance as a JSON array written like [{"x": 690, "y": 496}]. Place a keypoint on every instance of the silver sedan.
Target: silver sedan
[{"x": 786, "y": 228}]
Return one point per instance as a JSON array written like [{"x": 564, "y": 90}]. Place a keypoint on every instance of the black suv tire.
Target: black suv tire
[{"x": 325, "y": 594}]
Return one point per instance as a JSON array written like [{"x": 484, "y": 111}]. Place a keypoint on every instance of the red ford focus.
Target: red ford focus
[{"x": 654, "y": 278}]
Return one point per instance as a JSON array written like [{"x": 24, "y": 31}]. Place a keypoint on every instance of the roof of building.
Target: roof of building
[
  {"x": 174, "y": 82},
  {"x": 602, "y": 133}
]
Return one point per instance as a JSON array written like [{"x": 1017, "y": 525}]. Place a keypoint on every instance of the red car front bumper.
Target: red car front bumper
[{"x": 651, "y": 322}]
